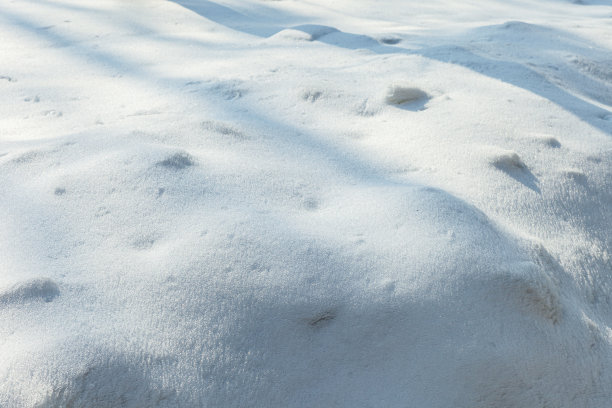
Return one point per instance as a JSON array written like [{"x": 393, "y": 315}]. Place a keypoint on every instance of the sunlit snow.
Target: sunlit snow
[{"x": 348, "y": 203}]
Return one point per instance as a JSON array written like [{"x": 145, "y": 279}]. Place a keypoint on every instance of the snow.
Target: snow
[
  {"x": 402, "y": 95},
  {"x": 305, "y": 203}
]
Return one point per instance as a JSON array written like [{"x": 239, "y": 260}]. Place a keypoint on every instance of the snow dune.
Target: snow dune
[{"x": 305, "y": 203}]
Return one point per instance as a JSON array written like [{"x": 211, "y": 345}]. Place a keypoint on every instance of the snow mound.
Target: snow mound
[
  {"x": 216, "y": 204},
  {"x": 177, "y": 161},
  {"x": 400, "y": 94},
  {"x": 307, "y": 32},
  {"x": 507, "y": 160},
  {"x": 33, "y": 289},
  {"x": 546, "y": 140}
]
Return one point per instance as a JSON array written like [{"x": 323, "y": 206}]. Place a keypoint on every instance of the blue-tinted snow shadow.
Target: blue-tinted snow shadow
[
  {"x": 262, "y": 25},
  {"x": 361, "y": 169},
  {"x": 415, "y": 106},
  {"x": 509, "y": 71},
  {"x": 523, "y": 176}
]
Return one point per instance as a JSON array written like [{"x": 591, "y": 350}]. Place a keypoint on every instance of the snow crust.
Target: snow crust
[{"x": 249, "y": 203}]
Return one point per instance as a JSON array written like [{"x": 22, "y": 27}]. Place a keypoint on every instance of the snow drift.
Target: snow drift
[{"x": 302, "y": 204}]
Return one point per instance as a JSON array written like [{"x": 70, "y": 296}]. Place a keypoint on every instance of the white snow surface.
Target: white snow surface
[{"x": 306, "y": 203}]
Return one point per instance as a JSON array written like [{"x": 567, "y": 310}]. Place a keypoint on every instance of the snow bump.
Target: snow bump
[
  {"x": 44, "y": 289},
  {"x": 507, "y": 160},
  {"x": 408, "y": 97},
  {"x": 177, "y": 161}
]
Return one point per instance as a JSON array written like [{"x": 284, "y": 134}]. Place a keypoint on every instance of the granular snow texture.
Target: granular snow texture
[{"x": 249, "y": 203}]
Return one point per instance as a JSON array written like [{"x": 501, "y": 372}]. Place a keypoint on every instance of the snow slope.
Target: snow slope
[{"x": 305, "y": 203}]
